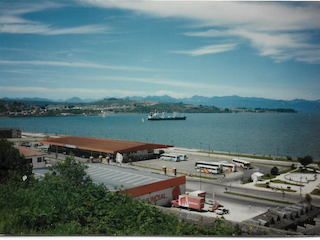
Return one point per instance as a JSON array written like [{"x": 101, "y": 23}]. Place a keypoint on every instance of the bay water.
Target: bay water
[{"x": 285, "y": 134}]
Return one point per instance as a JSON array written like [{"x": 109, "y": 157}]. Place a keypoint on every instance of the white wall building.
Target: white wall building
[{"x": 35, "y": 157}]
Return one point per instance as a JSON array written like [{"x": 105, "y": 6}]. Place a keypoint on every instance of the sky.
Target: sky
[{"x": 95, "y": 49}]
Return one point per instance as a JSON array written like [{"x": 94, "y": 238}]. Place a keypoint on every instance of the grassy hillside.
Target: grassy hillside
[{"x": 131, "y": 106}]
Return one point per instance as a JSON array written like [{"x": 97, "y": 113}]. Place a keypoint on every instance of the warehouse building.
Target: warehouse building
[{"x": 106, "y": 148}]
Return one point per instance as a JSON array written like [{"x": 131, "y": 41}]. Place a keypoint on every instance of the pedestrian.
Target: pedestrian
[{"x": 249, "y": 206}]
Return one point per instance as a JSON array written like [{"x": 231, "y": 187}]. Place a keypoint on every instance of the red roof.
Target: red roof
[
  {"x": 27, "y": 152},
  {"x": 102, "y": 145}
]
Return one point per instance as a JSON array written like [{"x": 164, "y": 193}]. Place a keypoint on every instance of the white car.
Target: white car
[{"x": 221, "y": 211}]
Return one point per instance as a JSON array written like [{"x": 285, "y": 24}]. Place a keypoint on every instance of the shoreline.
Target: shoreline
[{"x": 194, "y": 151}]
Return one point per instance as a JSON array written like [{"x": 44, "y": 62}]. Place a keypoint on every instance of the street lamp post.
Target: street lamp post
[
  {"x": 300, "y": 187},
  {"x": 200, "y": 178}
]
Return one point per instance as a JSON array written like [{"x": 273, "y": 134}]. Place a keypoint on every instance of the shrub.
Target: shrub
[
  {"x": 305, "y": 160},
  {"x": 274, "y": 171}
]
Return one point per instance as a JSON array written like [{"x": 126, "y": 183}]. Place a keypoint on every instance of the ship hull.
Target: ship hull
[{"x": 167, "y": 118}]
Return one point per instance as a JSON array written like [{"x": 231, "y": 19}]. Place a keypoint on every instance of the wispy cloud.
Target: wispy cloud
[
  {"x": 11, "y": 21},
  {"x": 85, "y": 92},
  {"x": 75, "y": 65},
  {"x": 279, "y": 30},
  {"x": 42, "y": 29},
  {"x": 210, "y": 49}
]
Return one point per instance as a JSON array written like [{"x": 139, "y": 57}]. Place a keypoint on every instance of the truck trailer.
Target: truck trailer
[{"x": 189, "y": 202}]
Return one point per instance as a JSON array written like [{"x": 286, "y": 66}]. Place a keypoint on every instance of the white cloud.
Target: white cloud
[
  {"x": 210, "y": 49},
  {"x": 38, "y": 28},
  {"x": 276, "y": 29},
  {"x": 12, "y": 23},
  {"x": 74, "y": 64}
]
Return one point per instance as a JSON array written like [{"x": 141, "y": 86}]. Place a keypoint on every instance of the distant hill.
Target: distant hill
[
  {"x": 28, "y": 99},
  {"x": 71, "y": 100},
  {"x": 299, "y": 105}
]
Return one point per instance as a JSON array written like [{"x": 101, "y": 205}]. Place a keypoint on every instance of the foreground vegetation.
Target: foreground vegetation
[{"x": 67, "y": 202}]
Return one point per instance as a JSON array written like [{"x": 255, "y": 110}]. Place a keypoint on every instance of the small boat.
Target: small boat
[{"x": 157, "y": 116}]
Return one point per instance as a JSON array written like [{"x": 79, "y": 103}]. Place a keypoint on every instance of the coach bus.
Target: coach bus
[
  {"x": 170, "y": 157},
  {"x": 213, "y": 167},
  {"x": 183, "y": 157},
  {"x": 229, "y": 166},
  {"x": 241, "y": 163}
]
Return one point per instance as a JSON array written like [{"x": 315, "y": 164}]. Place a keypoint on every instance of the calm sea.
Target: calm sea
[{"x": 270, "y": 134}]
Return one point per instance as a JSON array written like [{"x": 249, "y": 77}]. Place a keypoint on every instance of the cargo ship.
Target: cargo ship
[{"x": 157, "y": 116}]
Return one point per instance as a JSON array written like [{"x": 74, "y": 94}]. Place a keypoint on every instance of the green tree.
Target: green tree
[
  {"x": 72, "y": 171},
  {"x": 12, "y": 164},
  {"x": 274, "y": 171},
  {"x": 305, "y": 160}
]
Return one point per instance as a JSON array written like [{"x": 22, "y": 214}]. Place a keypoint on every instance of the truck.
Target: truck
[{"x": 189, "y": 202}]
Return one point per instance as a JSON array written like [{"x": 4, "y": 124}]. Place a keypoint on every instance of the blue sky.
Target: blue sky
[{"x": 97, "y": 49}]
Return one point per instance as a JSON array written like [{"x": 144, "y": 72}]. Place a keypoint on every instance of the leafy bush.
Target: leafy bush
[
  {"x": 12, "y": 165},
  {"x": 305, "y": 160},
  {"x": 274, "y": 171}
]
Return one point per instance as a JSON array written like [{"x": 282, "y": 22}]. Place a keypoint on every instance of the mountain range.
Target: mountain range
[{"x": 299, "y": 105}]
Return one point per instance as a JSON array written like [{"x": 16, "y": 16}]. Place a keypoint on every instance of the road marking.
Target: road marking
[
  {"x": 114, "y": 174},
  {"x": 130, "y": 177}
]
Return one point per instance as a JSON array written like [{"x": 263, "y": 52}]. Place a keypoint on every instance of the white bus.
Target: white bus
[
  {"x": 208, "y": 169},
  {"x": 241, "y": 163},
  {"x": 170, "y": 157},
  {"x": 213, "y": 167},
  {"x": 229, "y": 167},
  {"x": 183, "y": 157}
]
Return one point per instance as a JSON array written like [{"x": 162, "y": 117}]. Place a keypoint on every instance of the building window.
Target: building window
[
  {"x": 39, "y": 159},
  {"x": 29, "y": 160}
]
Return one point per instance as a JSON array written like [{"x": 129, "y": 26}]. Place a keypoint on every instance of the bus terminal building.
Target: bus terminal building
[{"x": 107, "y": 148}]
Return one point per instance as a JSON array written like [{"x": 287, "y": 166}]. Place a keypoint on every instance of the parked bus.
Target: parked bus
[
  {"x": 208, "y": 169},
  {"x": 170, "y": 157},
  {"x": 229, "y": 167},
  {"x": 241, "y": 163},
  {"x": 183, "y": 157},
  {"x": 213, "y": 167}
]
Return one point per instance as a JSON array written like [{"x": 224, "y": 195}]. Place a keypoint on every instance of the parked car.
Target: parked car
[
  {"x": 221, "y": 211},
  {"x": 214, "y": 207}
]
